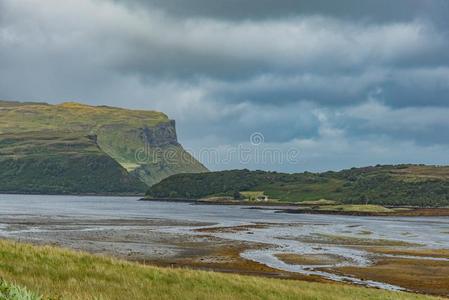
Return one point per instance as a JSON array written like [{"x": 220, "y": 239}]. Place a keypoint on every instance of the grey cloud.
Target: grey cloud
[
  {"x": 315, "y": 44},
  {"x": 153, "y": 45},
  {"x": 423, "y": 125},
  {"x": 380, "y": 10},
  {"x": 397, "y": 87},
  {"x": 333, "y": 79},
  {"x": 323, "y": 154}
]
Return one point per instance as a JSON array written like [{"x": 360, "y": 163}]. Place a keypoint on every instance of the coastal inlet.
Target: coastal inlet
[{"x": 400, "y": 253}]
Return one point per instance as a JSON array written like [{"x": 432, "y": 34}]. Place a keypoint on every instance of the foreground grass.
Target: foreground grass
[
  {"x": 59, "y": 273},
  {"x": 14, "y": 292}
]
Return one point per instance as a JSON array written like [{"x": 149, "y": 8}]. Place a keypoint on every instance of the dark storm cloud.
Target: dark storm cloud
[
  {"x": 332, "y": 78},
  {"x": 400, "y": 88},
  {"x": 424, "y": 125},
  {"x": 237, "y": 50},
  {"x": 380, "y": 10}
]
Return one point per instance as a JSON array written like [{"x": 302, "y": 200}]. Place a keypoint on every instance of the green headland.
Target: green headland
[{"x": 81, "y": 149}]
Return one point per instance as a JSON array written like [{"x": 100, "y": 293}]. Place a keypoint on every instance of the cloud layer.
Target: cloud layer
[{"x": 348, "y": 84}]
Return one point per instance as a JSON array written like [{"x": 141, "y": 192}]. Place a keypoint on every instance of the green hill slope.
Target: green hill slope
[
  {"x": 75, "y": 148},
  {"x": 415, "y": 185},
  {"x": 60, "y": 162}
]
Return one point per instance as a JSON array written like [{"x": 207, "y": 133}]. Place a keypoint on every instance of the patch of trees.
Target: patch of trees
[{"x": 370, "y": 185}]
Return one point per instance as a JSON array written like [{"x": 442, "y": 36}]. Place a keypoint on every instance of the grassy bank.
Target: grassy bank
[
  {"x": 58, "y": 273},
  {"x": 369, "y": 210},
  {"x": 10, "y": 291}
]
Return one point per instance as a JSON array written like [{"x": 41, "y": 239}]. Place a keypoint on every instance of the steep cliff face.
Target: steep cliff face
[
  {"x": 139, "y": 147},
  {"x": 161, "y": 135},
  {"x": 150, "y": 153}
]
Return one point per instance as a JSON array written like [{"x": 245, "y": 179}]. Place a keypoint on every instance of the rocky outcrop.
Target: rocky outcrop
[{"x": 161, "y": 135}]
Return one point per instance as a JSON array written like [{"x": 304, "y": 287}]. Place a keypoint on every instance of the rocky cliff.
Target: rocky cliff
[{"x": 161, "y": 135}]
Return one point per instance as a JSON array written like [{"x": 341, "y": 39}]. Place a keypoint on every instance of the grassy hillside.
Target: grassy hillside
[
  {"x": 415, "y": 185},
  {"x": 29, "y": 116},
  {"x": 58, "y": 162},
  {"x": 126, "y": 144},
  {"x": 64, "y": 274}
]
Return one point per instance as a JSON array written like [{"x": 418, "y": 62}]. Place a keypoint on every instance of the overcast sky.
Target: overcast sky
[{"x": 340, "y": 83}]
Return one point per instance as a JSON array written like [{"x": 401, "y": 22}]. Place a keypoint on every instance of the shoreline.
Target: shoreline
[
  {"x": 419, "y": 212},
  {"x": 223, "y": 202},
  {"x": 73, "y": 194},
  {"x": 287, "y": 207},
  {"x": 296, "y": 208}
]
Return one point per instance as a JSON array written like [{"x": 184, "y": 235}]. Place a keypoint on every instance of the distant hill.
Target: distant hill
[
  {"x": 414, "y": 185},
  {"x": 76, "y": 148}
]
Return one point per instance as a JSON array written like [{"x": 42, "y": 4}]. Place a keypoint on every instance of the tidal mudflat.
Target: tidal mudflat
[{"x": 399, "y": 253}]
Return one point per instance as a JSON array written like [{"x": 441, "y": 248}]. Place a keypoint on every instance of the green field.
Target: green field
[
  {"x": 64, "y": 274},
  {"x": 400, "y": 185},
  {"x": 357, "y": 208},
  {"x": 252, "y": 196}
]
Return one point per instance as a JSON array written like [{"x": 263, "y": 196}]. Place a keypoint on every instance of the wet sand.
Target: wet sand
[{"x": 142, "y": 240}]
